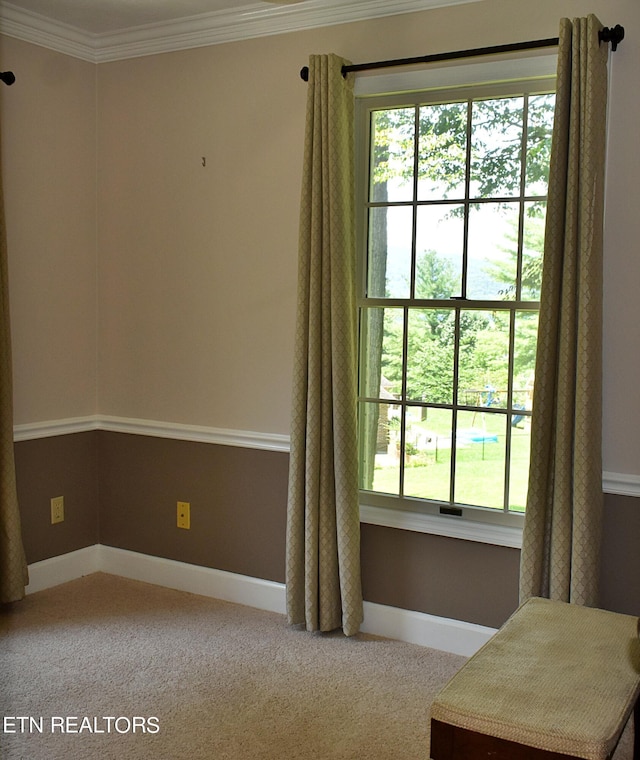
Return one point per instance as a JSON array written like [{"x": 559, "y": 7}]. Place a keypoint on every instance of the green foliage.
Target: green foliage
[
  {"x": 431, "y": 334},
  {"x": 532, "y": 256},
  {"x": 441, "y": 145}
]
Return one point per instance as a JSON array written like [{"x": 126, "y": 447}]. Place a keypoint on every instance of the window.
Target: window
[{"x": 451, "y": 237}]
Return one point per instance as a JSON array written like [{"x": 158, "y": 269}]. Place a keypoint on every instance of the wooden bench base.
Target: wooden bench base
[
  {"x": 453, "y": 743},
  {"x": 557, "y": 682}
]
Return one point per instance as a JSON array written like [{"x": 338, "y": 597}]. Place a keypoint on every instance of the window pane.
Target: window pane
[
  {"x": 483, "y": 374},
  {"x": 496, "y": 147},
  {"x": 455, "y": 205},
  {"x": 480, "y": 459},
  {"x": 524, "y": 358},
  {"x": 524, "y": 362},
  {"x": 439, "y": 244},
  {"x": 379, "y": 447},
  {"x": 389, "y": 263},
  {"x": 430, "y": 355},
  {"x": 381, "y": 336},
  {"x": 539, "y": 131},
  {"x": 493, "y": 251},
  {"x": 392, "y": 138},
  {"x": 442, "y": 151},
  {"x": 427, "y": 473},
  {"x": 519, "y": 464},
  {"x": 533, "y": 250}
]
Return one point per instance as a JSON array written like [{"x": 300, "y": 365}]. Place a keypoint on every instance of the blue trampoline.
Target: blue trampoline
[{"x": 473, "y": 435}]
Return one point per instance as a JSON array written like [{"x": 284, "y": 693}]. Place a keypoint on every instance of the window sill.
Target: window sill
[{"x": 438, "y": 525}]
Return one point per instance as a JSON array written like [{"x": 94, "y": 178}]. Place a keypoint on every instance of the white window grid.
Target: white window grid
[{"x": 407, "y": 505}]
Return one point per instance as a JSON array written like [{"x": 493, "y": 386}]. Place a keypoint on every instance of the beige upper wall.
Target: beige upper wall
[
  {"x": 197, "y": 265},
  {"x": 48, "y": 157}
]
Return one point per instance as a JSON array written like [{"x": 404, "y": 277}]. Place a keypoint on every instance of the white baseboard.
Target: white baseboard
[
  {"x": 195, "y": 579},
  {"x": 62, "y": 569},
  {"x": 445, "y": 634},
  {"x": 453, "y": 636}
]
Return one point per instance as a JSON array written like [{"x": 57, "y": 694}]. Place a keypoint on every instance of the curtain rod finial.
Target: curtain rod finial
[
  {"x": 304, "y": 73},
  {"x": 8, "y": 77}
]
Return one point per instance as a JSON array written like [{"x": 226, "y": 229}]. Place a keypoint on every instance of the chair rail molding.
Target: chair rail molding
[{"x": 623, "y": 484}]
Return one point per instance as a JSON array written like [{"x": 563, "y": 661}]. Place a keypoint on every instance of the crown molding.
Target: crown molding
[
  {"x": 246, "y": 22},
  {"x": 32, "y": 27}
]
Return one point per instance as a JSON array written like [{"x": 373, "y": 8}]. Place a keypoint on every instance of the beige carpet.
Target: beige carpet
[
  {"x": 110, "y": 668},
  {"x": 224, "y": 681}
]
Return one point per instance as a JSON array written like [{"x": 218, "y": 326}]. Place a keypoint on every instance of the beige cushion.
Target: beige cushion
[{"x": 558, "y": 677}]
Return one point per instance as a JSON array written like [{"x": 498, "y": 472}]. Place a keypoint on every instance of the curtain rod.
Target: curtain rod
[{"x": 614, "y": 36}]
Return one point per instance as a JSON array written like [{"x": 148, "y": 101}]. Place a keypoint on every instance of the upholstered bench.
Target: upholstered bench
[{"x": 557, "y": 681}]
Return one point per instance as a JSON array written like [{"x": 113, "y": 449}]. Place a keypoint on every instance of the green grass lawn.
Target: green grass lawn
[{"x": 480, "y": 467}]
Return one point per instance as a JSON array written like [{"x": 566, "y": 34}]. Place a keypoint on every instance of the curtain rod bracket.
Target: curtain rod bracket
[
  {"x": 8, "y": 77},
  {"x": 614, "y": 36}
]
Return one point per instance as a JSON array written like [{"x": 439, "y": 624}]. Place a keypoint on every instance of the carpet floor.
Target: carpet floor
[{"x": 105, "y": 667}]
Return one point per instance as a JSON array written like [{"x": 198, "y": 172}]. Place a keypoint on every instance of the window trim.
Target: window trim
[
  {"x": 450, "y": 76},
  {"x": 439, "y": 525}
]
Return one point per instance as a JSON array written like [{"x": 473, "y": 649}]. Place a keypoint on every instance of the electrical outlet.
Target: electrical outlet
[
  {"x": 184, "y": 515},
  {"x": 57, "y": 510}
]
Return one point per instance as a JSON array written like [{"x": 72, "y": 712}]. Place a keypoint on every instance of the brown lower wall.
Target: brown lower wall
[
  {"x": 620, "y": 569},
  {"x": 121, "y": 490},
  {"x": 238, "y": 502},
  {"x": 442, "y": 576},
  {"x": 62, "y": 466}
]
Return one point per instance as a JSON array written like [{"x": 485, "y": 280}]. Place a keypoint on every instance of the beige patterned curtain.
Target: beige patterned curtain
[
  {"x": 561, "y": 541},
  {"x": 323, "y": 527},
  {"x": 13, "y": 566}
]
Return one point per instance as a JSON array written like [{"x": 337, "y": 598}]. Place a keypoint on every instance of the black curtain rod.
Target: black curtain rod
[{"x": 614, "y": 36}]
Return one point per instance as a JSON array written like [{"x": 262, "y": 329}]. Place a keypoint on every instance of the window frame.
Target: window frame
[{"x": 491, "y": 78}]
